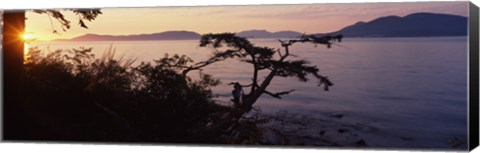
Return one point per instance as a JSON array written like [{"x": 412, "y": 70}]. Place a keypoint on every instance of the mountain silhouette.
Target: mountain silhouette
[
  {"x": 168, "y": 35},
  {"x": 267, "y": 34},
  {"x": 413, "y": 25}
]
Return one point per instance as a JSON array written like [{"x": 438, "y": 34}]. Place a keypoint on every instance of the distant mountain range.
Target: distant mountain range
[
  {"x": 168, "y": 35},
  {"x": 267, "y": 34},
  {"x": 413, "y": 25}
]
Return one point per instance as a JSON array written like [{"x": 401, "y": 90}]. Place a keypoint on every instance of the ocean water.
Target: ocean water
[{"x": 412, "y": 91}]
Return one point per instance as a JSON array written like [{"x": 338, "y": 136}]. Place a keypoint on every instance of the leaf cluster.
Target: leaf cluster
[
  {"x": 82, "y": 15},
  {"x": 261, "y": 58}
]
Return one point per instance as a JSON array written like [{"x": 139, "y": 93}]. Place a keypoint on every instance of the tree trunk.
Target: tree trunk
[{"x": 13, "y": 47}]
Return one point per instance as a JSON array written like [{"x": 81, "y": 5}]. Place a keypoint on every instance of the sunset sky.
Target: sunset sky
[{"x": 302, "y": 18}]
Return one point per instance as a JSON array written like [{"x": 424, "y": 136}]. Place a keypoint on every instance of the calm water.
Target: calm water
[{"x": 405, "y": 87}]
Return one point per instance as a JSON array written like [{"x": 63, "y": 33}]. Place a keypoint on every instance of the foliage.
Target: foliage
[
  {"x": 82, "y": 14},
  {"x": 229, "y": 46},
  {"x": 71, "y": 95}
]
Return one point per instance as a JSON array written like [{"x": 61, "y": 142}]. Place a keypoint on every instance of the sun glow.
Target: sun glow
[
  {"x": 25, "y": 50},
  {"x": 27, "y": 37}
]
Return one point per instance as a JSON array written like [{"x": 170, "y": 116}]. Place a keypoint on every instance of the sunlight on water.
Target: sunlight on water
[
  {"x": 406, "y": 87},
  {"x": 25, "y": 49}
]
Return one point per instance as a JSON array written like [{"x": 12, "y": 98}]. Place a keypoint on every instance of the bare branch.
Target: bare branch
[
  {"x": 279, "y": 53},
  {"x": 217, "y": 57},
  {"x": 233, "y": 83},
  {"x": 191, "y": 68},
  {"x": 278, "y": 94}
]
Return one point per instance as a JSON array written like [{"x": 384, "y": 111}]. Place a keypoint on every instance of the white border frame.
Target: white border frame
[{"x": 82, "y": 148}]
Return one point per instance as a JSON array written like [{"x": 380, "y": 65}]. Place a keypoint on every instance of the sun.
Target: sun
[{"x": 27, "y": 37}]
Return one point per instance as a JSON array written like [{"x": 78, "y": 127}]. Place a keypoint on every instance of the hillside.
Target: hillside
[
  {"x": 168, "y": 35},
  {"x": 413, "y": 25}
]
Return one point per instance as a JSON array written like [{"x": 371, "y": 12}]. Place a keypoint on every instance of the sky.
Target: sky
[{"x": 312, "y": 18}]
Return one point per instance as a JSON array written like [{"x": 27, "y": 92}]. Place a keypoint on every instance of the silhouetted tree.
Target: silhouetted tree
[
  {"x": 13, "y": 47},
  {"x": 272, "y": 60},
  {"x": 13, "y": 27}
]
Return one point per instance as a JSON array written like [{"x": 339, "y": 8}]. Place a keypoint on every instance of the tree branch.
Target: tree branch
[
  {"x": 217, "y": 57},
  {"x": 83, "y": 14},
  {"x": 278, "y": 94},
  {"x": 198, "y": 67},
  {"x": 324, "y": 81}
]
